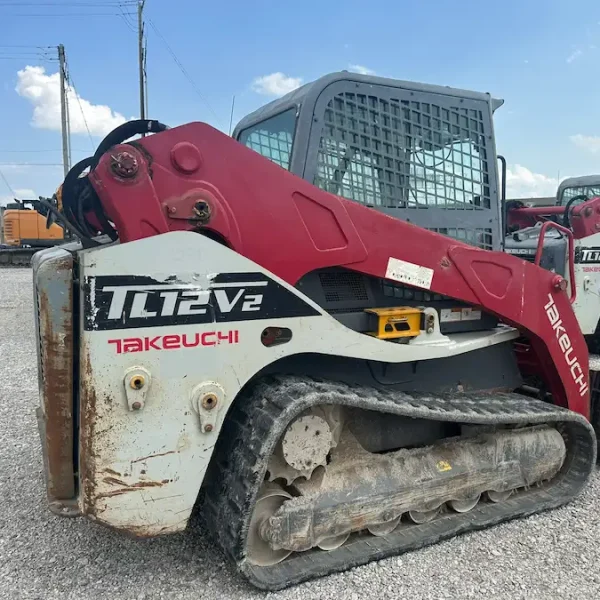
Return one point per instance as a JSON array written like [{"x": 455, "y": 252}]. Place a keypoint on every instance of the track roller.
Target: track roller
[
  {"x": 498, "y": 496},
  {"x": 464, "y": 505},
  {"x": 260, "y": 553}
]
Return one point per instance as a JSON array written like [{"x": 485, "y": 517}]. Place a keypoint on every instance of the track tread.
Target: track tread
[{"x": 260, "y": 415}]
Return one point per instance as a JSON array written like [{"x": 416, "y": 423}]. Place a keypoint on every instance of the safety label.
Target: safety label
[
  {"x": 407, "y": 272},
  {"x": 449, "y": 315}
]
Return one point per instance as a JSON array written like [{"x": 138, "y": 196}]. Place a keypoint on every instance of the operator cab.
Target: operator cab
[
  {"x": 574, "y": 187},
  {"x": 421, "y": 153}
]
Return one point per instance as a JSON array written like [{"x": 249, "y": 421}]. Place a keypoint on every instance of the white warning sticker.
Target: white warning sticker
[
  {"x": 449, "y": 315},
  {"x": 454, "y": 315},
  {"x": 470, "y": 314},
  {"x": 406, "y": 272}
]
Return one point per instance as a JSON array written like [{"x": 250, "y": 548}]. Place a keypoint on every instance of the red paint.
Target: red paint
[
  {"x": 186, "y": 157},
  {"x": 557, "y": 281},
  {"x": 584, "y": 218},
  {"x": 272, "y": 217},
  {"x": 175, "y": 341}
]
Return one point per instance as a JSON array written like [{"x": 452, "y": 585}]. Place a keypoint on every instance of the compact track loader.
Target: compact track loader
[{"x": 308, "y": 333}]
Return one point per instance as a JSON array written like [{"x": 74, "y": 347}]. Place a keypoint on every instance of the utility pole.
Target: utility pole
[
  {"x": 63, "y": 110},
  {"x": 141, "y": 59}
]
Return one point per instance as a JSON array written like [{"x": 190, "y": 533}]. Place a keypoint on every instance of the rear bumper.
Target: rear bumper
[
  {"x": 54, "y": 303},
  {"x": 64, "y": 507}
]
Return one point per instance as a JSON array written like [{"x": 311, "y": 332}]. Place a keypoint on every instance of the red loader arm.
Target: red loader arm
[
  {"x": 194, "y": 177},
  {"x": 584, "y": 218}
]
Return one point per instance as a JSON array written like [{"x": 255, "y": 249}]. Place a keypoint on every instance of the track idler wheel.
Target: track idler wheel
[
  {"x": 334, "y": 542},
  {"x": 464, "y": 505},
  {"x": 382, "y": 529},
  {"x": 423, "y": 516},
  {"x": 269, "y": 501},
  {"x": 494, "y": 496}
]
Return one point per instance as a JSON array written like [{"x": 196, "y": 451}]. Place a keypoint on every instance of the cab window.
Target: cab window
[
  {"x": 591, "y": 191},
  {"x": 273, "y": 137}
]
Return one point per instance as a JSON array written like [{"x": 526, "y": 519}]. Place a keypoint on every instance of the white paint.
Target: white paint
[
  {"x": 587, "y": 280},
  {"x": 410, "y": 273},
  {"x": 450, "y": 315},
  {"x": 470, "y": 314},
  {"x": 163, "y": 444}
]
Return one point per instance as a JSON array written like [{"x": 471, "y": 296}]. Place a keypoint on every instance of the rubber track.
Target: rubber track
[{"x": 261, "y": 414}]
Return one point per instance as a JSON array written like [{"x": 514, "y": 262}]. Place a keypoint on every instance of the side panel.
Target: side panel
[
  {"x": 187, "y": 314},
  {"x": 587, "y": 277}
]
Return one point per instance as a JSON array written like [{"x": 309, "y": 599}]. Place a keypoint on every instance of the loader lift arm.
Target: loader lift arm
[{"x": 195, "y": 178}]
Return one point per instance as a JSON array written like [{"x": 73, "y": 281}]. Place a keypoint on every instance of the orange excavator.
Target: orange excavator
[{"x": 25, "y": 231}]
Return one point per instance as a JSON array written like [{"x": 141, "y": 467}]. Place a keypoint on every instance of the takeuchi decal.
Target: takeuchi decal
[
  {"x": 175, "y": 341},
  {"x": 564, "y": 342}
]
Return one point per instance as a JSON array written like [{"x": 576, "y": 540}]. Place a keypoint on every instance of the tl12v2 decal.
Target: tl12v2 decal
[
  {"x": 587, "y": 256},
  {"x": 132, "y": 301}
]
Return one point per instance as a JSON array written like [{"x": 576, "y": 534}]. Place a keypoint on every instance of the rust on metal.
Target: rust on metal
[
  {"x": 209, "y": 401},
  {"x": 56, "y": 387},
  {"x": 136, "y": 485},
  {"x": 137, "y": 382},
  {"x": 154, "y": 456},
  {"x": 124, "y": 165},
  {"x": 111, "y": 472},
  {"x": 87, "y": 424},
  {"x": 203, "y": 212}
]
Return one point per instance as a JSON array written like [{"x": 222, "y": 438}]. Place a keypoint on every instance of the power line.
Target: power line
[
  {"x": 42, "y": 58},
  {"x": 29, "y": 164},
  {"x": 7, "y": 184},
  {"x": 25, "y": 52},
  {"x": 37, "y": 150},
  {"x": 23, "y": 46},
  {"x": 83, "y": 14},
  {"x": 76, "y": 4},
  {"x": 72, "y": 83},
  {"x": 184, "y": 71},
  {"x": 128, "y": 23}
]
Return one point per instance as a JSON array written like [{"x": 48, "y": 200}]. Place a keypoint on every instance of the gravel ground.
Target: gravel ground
[{"x": 554, "y": 555}]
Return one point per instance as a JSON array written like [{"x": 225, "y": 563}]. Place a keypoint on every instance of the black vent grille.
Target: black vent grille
[
  {"x": 343, "y": 287},
  {"x": 402, "y": 292}
]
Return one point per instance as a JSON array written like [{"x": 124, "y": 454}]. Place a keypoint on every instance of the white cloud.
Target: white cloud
[
  {"x": 362, "y": 70},
  {"x": 275, "y": 84},
  {"x": 590, "y": 143},
  {"x": 523, "y": 183},
  {"x": 574, "y": 55},
  {"x": 21, "y": 193},
  {"x": 43, "y": 91}
]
